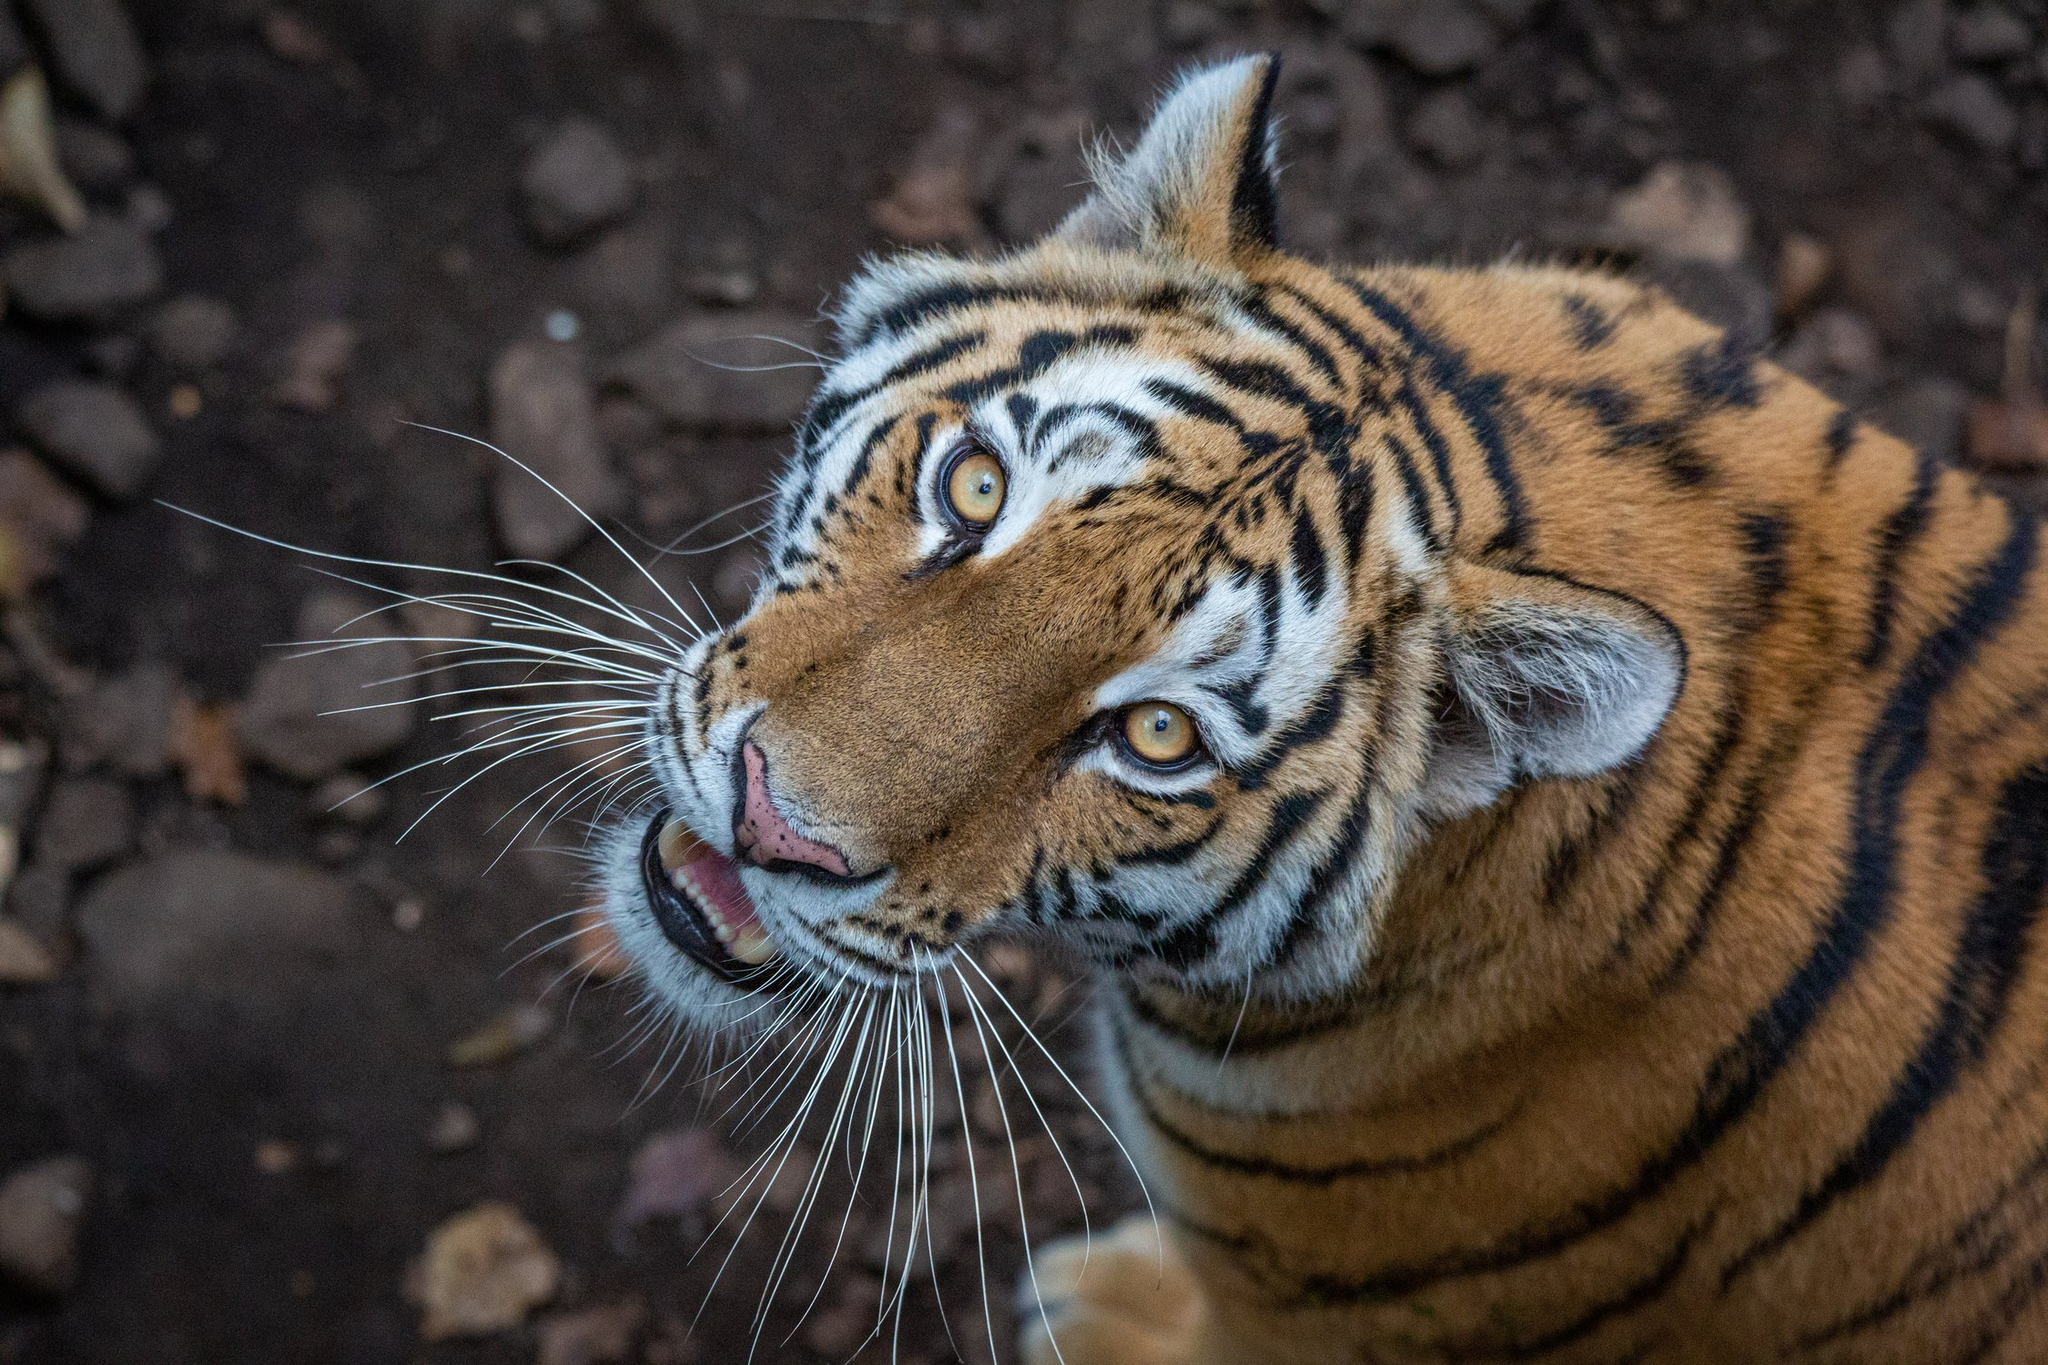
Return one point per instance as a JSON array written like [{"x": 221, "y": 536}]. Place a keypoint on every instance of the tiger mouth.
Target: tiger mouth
[{"x": 695, "y": 894}]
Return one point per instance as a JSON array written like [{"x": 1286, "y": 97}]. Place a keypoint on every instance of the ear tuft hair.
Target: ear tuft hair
[
  {"x": 1202, "y": 181},
  {"x": 1546, "y": 679}
]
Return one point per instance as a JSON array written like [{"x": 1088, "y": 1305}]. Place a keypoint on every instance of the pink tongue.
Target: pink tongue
[{"x": 718, "y": 877}]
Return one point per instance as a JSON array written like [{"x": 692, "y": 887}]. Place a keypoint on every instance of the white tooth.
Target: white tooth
[
  {"x": 675, "y": 840},
  {"x": 752, "y": 946}
]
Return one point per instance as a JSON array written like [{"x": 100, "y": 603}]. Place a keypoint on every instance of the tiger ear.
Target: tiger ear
[
  {"x": 1201, "y": 183},
  {"x": 1544, "y": 678}
]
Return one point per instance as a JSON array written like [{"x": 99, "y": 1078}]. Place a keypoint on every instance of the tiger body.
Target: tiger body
[{"x": 1595, "y": 924}]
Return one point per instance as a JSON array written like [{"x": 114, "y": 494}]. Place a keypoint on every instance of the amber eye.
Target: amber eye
[
  {"x": 974, "y": 487},
  {"x": 1160, "y": 733}
]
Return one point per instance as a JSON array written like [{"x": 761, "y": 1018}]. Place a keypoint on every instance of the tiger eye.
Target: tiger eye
[
  {"x": 1160, "y": 733},
  {"x": 974, "y": 488}
]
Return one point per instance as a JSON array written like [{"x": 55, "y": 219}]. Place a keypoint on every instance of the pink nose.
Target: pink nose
[{"x": 764, "y": 836}]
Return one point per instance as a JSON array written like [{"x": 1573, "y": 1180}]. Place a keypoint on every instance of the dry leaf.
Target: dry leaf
[
  {"x": 204, "y": 747},
  {"x": 504, "y": 1038},
  {"x": 483, "y": 1271}
]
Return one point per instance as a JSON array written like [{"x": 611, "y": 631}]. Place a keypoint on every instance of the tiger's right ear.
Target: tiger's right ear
[{"x": 1201, "y": 183}]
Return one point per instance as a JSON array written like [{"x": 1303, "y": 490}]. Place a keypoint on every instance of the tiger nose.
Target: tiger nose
[{"x": 765, "y": 836}]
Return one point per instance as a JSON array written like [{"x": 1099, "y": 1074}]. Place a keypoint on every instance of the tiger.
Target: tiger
[{"x": 1554, "y": 807}]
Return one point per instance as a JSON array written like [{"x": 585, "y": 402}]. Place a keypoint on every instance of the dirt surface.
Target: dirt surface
[{"x": 315, "y": 225}]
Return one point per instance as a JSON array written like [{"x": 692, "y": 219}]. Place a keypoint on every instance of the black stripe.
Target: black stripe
[
  {"x": 1591, "y": 327},
  {"x": 1737, "y": 1077},
  {"x": 1907, "y": 520},
  {"x": 1254, "y": 200},
  {"x": 1723, "y": 373},
  {"x": 1309, "y": 563},
  {"x": 1841, "y": 434},
  {"x": 1189, "y": 403},
  {"x": 1989, "y": 955},
  {"x": 1262, "y": 314},
  {"x": 1312, "y": 725},
  {"x": 1632, "y": 1296},
  {"x": 1189, "y": 944},
  {"x": 1173, "y": 853}
]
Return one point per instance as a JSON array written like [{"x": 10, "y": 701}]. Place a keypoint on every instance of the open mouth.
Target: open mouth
[{"x": 698, "y": 901}]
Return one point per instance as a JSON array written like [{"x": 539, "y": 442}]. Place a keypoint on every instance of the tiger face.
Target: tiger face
[{"x": 1105, "y": 602}]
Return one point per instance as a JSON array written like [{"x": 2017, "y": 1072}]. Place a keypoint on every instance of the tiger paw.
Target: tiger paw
[{"x": 1127, "y": 1300}]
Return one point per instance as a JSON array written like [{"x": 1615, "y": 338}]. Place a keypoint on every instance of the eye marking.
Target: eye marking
[
  {"x": 1159, "y": 735},
  {"x": 972, "y": 484}
]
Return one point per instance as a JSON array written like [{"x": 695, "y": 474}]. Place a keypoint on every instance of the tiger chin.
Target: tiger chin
[{"x": 1557, "y": 808}]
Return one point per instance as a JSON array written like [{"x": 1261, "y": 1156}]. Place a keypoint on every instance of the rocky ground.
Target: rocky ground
[{"x": 277, "y": 1086}]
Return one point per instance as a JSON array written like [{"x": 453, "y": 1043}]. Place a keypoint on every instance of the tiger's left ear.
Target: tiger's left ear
[
  {"x": 1202, "y": 181},
  {"x": 1543, "y": 677}
]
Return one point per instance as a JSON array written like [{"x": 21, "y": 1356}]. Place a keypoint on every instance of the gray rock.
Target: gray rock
[
  {"x": 194, "y": 927},
  {"x": 301, "y": 715},
  {"x": 193, "y": 332},
  {"x": 676, "y": 372},
  {"x": 577, "y": 180},
  {"x": 1988, "y": 33},
  {"x": 42, "y": 1223},
  {"x": 1928, "y": 414},
  {"x": 93, "y": 276},
  {"x": 1443, "y": 38},
  {"x": 96, "y": 53},
  {"x": 88, "y": 821},
  {"x": 93, "y": 429},
  {"x": 1446, "y": 129},
  {"x": 122, "y": 722},
  {"x": 1971, "y": 108},
  {"x": 1837, "y": 350},
  {"x": 1861, "y": 80},
  {"x": 542, "y": 415},
  {"x": 43, "y": 513},
  {"x": 94, "y": 158}
]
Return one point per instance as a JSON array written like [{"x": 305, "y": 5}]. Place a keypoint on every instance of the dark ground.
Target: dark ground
[{"x": 248, "y": 1047}]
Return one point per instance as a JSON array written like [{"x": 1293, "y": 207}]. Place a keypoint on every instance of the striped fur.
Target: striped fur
[{"x": 1605, "y": 930}]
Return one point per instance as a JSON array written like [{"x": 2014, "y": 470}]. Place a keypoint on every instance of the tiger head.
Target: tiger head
[{"x": 1103, "y": 603}]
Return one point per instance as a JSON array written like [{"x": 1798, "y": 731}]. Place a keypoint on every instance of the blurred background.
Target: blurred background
[{"x": 276, "y": 1086}]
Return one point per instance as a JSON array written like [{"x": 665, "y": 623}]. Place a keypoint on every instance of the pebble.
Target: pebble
[
  {"x": 605, "y": 1334},
  {"x": 576, "y": 181},
  {"x": 24, "y": 961},
  {"x": 94, "y": 158},
  {"x": 510, "y": 1033},
  {"x": 93, "y": 429},
  {"x": 1446, "y": 129},
  {"x": 676, "y": 371},
  {"x": 178, "y": 933},
  {"x": 193, "y": 332},
  {"x": 93, "y": 276},
  {"x": 315, "y": 363},
  {"x": 1970, "y": 107},
  {"x": 1861, "y": 80},
  {"x": 1444, "y": 38},
  {"x": 542, "y": 414},
  {"x": 455, "y": 1129},
  {"x": 1804, "y": 264},
  {"x": 931, "y": 201},
  {"x": 673, "y": 1173},
  {"x": 297, "y": 716},
  {"x": 124, "y": 722},
  {"x": 40, "y": 516},
  {"x": 351, "y": 799},
  {"x": 87, "y": 823},
  {"x": 1928, "y": 415},
  {"x": 1684, "y": 211},
  {"x": 483, "y": 1271},
  {"x": 96, "y": 53},
  {"x": 42, "y": 1223},
  {"x": 1914, "y": 35},
  {"x": 1988, "y": 33},
  {"x": 1838, "y": 350}
]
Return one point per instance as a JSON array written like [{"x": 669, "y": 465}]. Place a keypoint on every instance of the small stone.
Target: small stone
[
  {"x": 482, "y": 1272},
  {"x": 512, "y": 1032},
  {"x": 150, "y": 209},
  {"x": 1837, "y": 350},
  {"x": 1988, "y": 33},
  {"x": 351, "y": 799},
  {"x": 124, "y": 722},
  {"x": 274, "y": 1156},
  {"x": 93, "y": 276},
  {"x": 1684, "y": 211},
  {"x": 315, "y": 363},
  {"x": 183, "y": 402},
  {"x": 1914, "y": 35},
  {"x": 1804, "y": 264},
  {"x": 24, "y": 961},
  {"x": 932, "y": 199},
  {"x": 1447, "y": 130},
  {"x": 603, "y": 1335},
  {"x": 409, "y": 914},
  {"x": 543, "y": 416},
  {"x": 1928, "y": 415},
  {"x": 291, "y": 38},
  {"x": 2008, "y": 434},
  {"x": 676, "y": 372},
  {"x": 93, "y": 429},
  {"x": 88, "y": 822},
  {"x": 42, "y": 1222},
  {"x": 303, "y": 716},
  {"x": 92, "y": 157},
  {"x": 193, "y": 332},
  {"x": 576, "y": 181},
  {"x": 96, "y": 53},
  {"x": 673, "y": 1174},
  {"x": 1443, "y": 39},
  {"x": 455, "y": 1129},
  {"x": 1861, "y": 81},
  {"x": 1979, "y": 307},
  {"x": 1970, "y": 107},
  {"x": 39, "y": 519}
]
